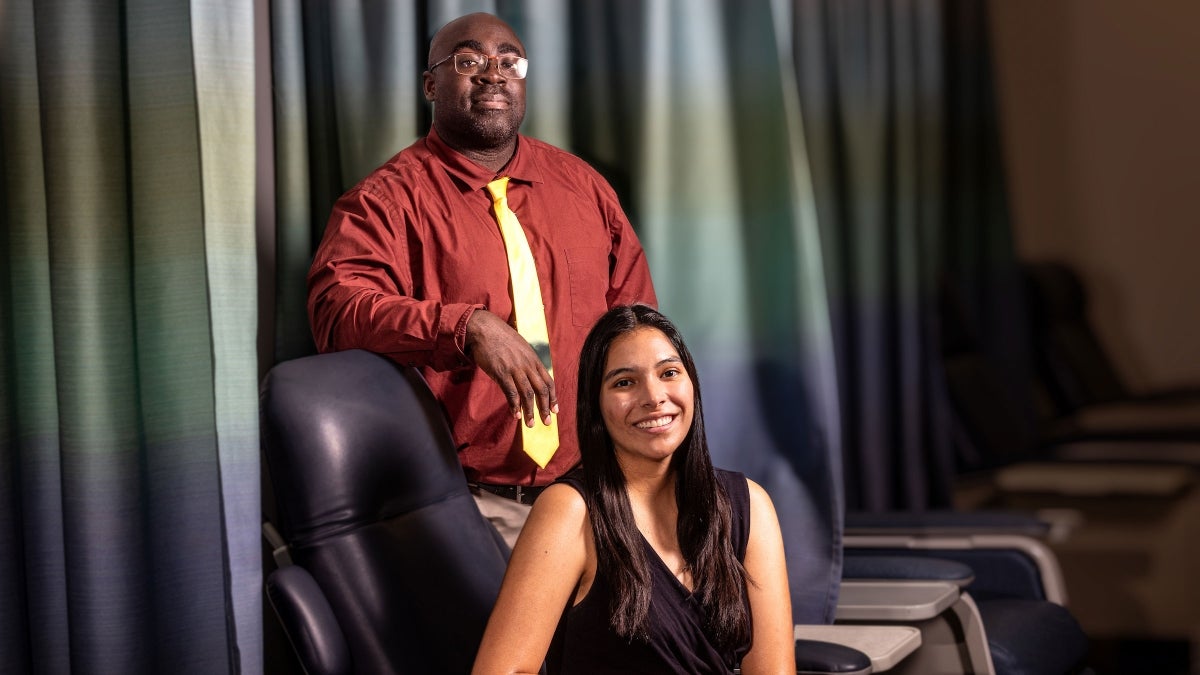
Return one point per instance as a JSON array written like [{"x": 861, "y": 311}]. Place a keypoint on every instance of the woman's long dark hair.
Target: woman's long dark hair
[{"x": 704, "y": 513}]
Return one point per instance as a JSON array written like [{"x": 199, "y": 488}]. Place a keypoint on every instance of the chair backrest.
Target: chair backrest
[
  {"x": 995, "y": 413},
  {"x": 1068, "y": 355},
  {"x": 372, "y": 501}
]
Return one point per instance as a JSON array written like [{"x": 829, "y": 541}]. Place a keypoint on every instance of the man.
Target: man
[{"x": 419, "y": 262}]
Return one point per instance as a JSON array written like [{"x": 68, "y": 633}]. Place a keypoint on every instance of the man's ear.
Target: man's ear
[{"x": 428, "y": 86}]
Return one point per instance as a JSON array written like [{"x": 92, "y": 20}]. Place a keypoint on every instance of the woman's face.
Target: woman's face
[{"x": 646, "y": 396}]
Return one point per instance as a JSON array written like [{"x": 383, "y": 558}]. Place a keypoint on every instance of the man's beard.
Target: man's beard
[
  {"x": 475, "y": 129},
  {"x": 493, "y": 130}
]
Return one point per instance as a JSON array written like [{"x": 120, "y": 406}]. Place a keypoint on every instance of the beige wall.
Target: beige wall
[{"x": 1100, "y": 110}]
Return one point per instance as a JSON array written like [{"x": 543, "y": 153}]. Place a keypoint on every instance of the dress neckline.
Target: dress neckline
[{"x": 663, "y": 568}]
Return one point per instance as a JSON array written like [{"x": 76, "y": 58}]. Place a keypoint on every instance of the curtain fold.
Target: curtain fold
[
  {"x": 31, "y": 633},
  {"x": 347, "y": 96},
  {"x": 223, "y": 56},
  {"x": 131, "y": 421}
]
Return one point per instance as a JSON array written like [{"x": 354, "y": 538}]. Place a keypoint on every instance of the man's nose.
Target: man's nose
[{"x": 491, "y": 72}]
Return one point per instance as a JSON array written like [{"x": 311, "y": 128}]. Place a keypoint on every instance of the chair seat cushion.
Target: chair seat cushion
[{"x": 1030, "y": 637}]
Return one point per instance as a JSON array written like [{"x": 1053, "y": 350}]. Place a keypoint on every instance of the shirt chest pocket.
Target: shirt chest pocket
[{"x": 587, "y": 268}]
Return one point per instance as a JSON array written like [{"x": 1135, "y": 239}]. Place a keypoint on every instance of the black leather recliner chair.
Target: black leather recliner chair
[{"x": 393, "y": 568}]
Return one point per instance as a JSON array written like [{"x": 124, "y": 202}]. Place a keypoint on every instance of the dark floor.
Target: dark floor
[
  {"x": 1143, "y": 657},
  {"x": 1105, "y": 657}
]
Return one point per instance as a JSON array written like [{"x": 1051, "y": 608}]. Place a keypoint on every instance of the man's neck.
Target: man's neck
[{"x": 492, "y": 160}]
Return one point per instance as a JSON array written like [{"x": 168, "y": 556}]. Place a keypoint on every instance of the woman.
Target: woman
[{"x": 647, "y": 560}]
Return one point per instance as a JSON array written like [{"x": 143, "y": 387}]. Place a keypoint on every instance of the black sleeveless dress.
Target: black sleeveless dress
[{"x": 585, "y": 644}]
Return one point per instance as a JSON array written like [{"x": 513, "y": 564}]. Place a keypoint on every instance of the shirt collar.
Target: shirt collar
[{"x": 520, "y": 168}]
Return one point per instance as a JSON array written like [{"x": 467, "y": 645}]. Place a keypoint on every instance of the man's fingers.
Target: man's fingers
[
  {"x": 527, "y": 403},
  {"x": 547, "y": 400},
  {"x": 537, "y": 399},
  {"x": 514, "y": 401}
]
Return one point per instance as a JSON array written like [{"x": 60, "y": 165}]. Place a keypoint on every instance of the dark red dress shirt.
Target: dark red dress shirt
[{"x": 414, "y": 248}]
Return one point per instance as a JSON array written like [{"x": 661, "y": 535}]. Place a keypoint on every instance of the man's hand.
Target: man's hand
[{"x": 507, "y": 358}]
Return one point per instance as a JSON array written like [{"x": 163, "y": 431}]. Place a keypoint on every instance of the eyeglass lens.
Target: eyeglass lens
[{"x": 477, "y": 64}]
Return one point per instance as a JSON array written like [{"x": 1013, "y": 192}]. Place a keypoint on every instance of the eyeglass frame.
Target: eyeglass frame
[{"x": 487, "y": 60}]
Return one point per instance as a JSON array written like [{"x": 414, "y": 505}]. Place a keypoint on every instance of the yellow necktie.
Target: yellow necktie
[{"x": 540, "y": 441}]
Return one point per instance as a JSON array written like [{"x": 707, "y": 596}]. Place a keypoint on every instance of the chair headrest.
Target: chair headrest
[
  {"x": 356, "y": 438},
  {"x": 1055, "y": 292}
]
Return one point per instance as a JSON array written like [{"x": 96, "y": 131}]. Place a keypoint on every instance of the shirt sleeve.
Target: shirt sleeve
[
  {"x": 629, "y": 277},
  {"x": 360, "y": 290}
]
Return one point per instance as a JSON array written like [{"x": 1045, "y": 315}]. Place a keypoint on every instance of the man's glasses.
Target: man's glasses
[{"x": 467, "y": 63}]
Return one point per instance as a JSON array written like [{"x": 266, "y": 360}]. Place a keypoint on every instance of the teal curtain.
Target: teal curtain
[
  {"x": 722, "y": 195},
  {"x": 903, "y": 144},
  {"x": 873, "y": 84},
  {"x": 128, "y": 450}
]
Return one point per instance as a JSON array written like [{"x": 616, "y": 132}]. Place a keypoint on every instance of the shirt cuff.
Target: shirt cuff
[{"x": 450, "y": 352}]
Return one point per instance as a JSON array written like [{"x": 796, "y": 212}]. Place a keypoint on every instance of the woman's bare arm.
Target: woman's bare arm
[
  {"x": 774, "y": 649},
  {"x": 547, "y": 563}
]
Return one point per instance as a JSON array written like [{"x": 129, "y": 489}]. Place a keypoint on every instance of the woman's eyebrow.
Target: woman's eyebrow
[{"x": 616, "y": 371}]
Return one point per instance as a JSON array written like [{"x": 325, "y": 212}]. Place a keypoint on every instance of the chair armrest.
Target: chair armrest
[
  {"x": 1010, "y": 565},
  {"x": 1082, "y": 479},
  {"x": 1181, "y": 453},
  {"x": 853, "y": 649},
  {"x": 952, "y": 634},
  {"x": 894, "y": 600},
  {"x": 308, "y": 621}
]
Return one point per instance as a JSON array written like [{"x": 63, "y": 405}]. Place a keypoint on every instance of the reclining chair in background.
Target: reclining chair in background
[
  {"x": 1003, "y": 424},
  {"x": 1089, "y": 395},
  {"x": 1131, "y": 495}
]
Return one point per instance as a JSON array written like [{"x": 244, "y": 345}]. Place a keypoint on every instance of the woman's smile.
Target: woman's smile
[{"x": 656, "y": 423}]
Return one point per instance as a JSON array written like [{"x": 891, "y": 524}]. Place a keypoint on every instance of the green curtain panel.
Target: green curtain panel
[
  {"x": 129, "y": 541},
  {"x": 903, "y": 145},
  {"x": 873, "y": 85},
  {"x": 723, "y": 197}
]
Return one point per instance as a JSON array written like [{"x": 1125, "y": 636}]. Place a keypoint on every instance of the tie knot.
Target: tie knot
[{"x": 498, "y": 188}]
